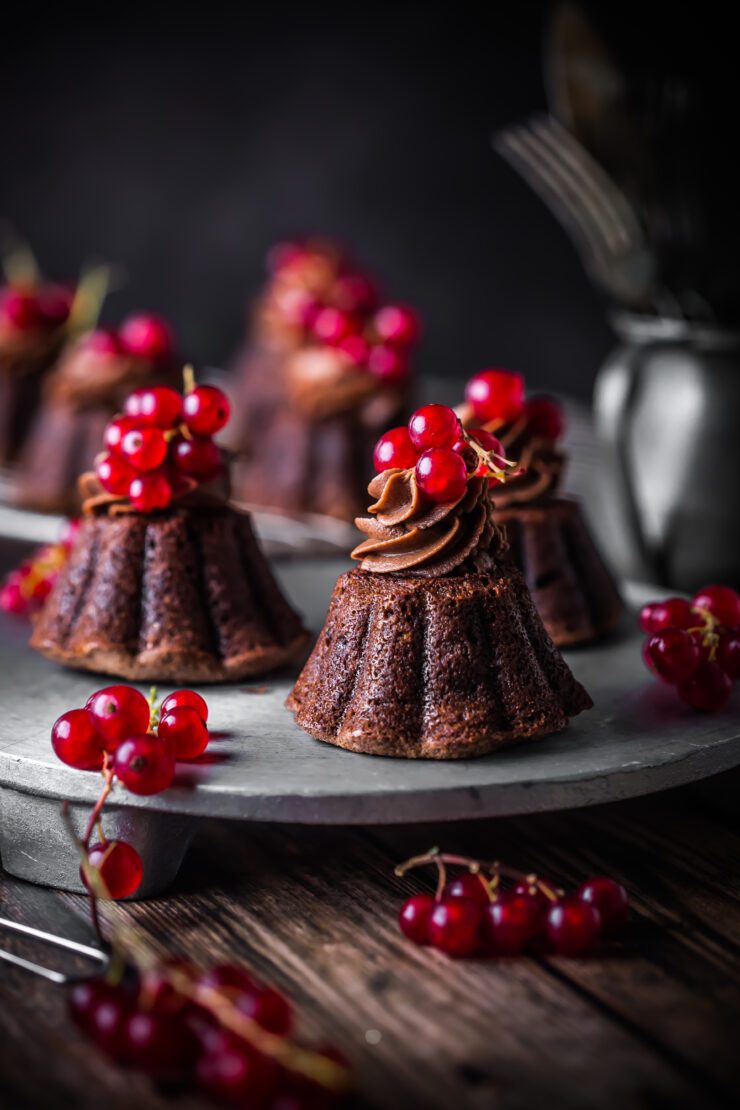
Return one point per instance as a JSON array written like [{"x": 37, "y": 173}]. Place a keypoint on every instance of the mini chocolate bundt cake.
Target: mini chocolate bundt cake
[
  {"x": 166, "y": 580},
  {"x": 323, "y": 372},
  {"x": 433, "y": 648},
  {"x": 80, "y": 395},
  {"x": 549, "y": 541},
  {"x": 33, "y": 328}
]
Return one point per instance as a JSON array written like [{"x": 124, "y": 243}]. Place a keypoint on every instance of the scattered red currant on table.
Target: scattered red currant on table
[
  {"x": 695, "y": 645},
  {"x": 26, "y": 588},
  {"x": 445, "y": 456},
  {"x": 162, "y": 446},
  {"x": 491, "y": 909},
  {"x": 136, "y": 743},
  {"x": 218, "y": 1030}
]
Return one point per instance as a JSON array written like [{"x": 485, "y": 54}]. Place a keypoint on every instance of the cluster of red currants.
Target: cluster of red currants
[
  {"x": 162, "y": 445},
  {"x": 695, "y": 645},
  {"x": 33, "y": 308},
  {"x": 473, "y": 915},
  {"x": 141, "y": 335},
  {"x": 135, "y": 743},
  {"x": 443, "y": 454},
  {"x": 220, "y": 1031},
  {"x": 27, "y": 587},
  {"x": 498, "y": 397},
  {"x": 348, "y": 316}
]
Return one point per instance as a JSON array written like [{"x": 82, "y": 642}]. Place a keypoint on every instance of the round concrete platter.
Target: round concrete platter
[{"x": 638, "y": 739}]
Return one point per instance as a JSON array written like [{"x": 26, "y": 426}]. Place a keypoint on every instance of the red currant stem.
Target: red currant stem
[
  {"x": 154, "y": 709},
  {"x": 188, "y": 378},
  {"x": 108, "y": 776},
  {"x": 498, "y": 465},
  {"x": 441, "y": 878},
  {"x": 475, "y": 866}
]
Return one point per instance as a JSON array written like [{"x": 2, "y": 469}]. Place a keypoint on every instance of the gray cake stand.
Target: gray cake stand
[{"x": 261, "y": 767}]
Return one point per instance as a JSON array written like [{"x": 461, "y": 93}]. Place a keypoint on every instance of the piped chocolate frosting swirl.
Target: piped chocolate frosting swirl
[
  {"x": 188, "y": 494},
  {"x": 408, "y": 535},
  {"x": 541, "y": 462}
]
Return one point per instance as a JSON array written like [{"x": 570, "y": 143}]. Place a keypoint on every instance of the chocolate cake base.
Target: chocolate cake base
[
  {"x": 185, "y": 595},
  {"x": 434, "y": 668},
  {"x": 574, "y": 591}
]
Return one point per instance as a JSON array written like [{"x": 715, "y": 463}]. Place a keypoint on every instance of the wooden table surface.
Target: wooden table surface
[{"x": 650, "y": 1020}]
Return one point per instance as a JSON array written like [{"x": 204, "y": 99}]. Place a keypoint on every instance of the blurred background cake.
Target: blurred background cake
[
  {"x": 86, "y": 387},
  {"x": 325, "y": 368}
]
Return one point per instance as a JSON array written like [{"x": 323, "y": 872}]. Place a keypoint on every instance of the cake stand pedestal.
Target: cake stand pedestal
[{"x": 261, "y": 767}]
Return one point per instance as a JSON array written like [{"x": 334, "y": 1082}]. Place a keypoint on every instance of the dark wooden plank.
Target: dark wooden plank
[{"x": 644, "y": 1023}]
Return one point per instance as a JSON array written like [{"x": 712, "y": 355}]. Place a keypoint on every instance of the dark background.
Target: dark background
[{"x": 181, "y": 150}]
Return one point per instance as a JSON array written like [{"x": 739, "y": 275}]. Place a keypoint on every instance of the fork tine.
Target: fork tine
[
  {"x": 590, "y": 202},
  {"x": 516, "y": 145},
  {"x": 592, "y": 176},
  {"x": 90, "y": 952}
]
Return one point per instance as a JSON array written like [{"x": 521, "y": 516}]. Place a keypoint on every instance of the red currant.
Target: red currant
[
  {"x": 673, "y": 654},
  {"x": 236, "y": 1074},
  {"x": 76, "y": 740},
  {"x": 395, "y": 451},
  {"x": 466, "y": 886},
  {"x": 510, "y": 923},
  {"x": 298, "y": 307},
  {"x": 21, "y": 309},
  {"x": 354, "y": 293},
  {"x": 12, "y": 598},
  {"x": 118, "y": 712},
  {"x": 206, "y": 409},
  {"x": 198, "y": 457},
  {"x": 610, "y": 899},
  {"x": 144, "y": 764},
  {"x": 158, "y": 1044},
  {"x": 85, "y": 997},
  {"x": 572, "y": 926},
  {"x": 708, "y": 688},
  {"x": 119, "y": 866},
  {"x": 721, "y": 601},
  {"x": 442, "y": 475},
  {"x": 155, "y": 406},
  {"x": 454, "y": 926},
  {"x": 229, "y": 977},
  {"x": 148, "y": 492},
  {"x": 147, "y": 337},
  {"x": 728, "y": 653},
  {"x": 268, "y": 1008},
  {"x": 144, "y": 448},
  {"x": 434, "y": 426},
  {"x": 387, "y": 364},
  {"x": 496, "y": 395},
  {"x": 103, "y": 342},
  {"x": 115, "y": 431},
  {"x": 674, "y": 612},
  {"x": 333, "y": 324},
  {"x": 544, "y": 418},
  {"x": 180, "y": 698},
  {"x": 114, "y": 474},
  {"x": 414, "y": 916},
  {"x": 184, "y": 731},
  {"x": 397, "y": 325},
  {"x": 355, "y": 348},
  {"x": 106, "y": 1021},
  {"x": 55, "y": 302}
]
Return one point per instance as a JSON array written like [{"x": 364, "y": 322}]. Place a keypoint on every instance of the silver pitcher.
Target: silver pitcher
[{"x": 667, "y": 403}]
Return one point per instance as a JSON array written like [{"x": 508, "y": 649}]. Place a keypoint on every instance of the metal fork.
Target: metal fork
[
  {"x": 99, "y": 955},
  {"x": 586, "y": 201}
]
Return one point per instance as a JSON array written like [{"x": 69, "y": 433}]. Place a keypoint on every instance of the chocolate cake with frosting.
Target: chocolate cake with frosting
[
  {"x": 549, "y": 540},
  {"x": 166, "y": 580},
  {"x": 433, "y": 647},
  {"x": 34, "y": 325},
  {"x": 324, "y": 370},
  {"x": 80, "y": 395}
]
